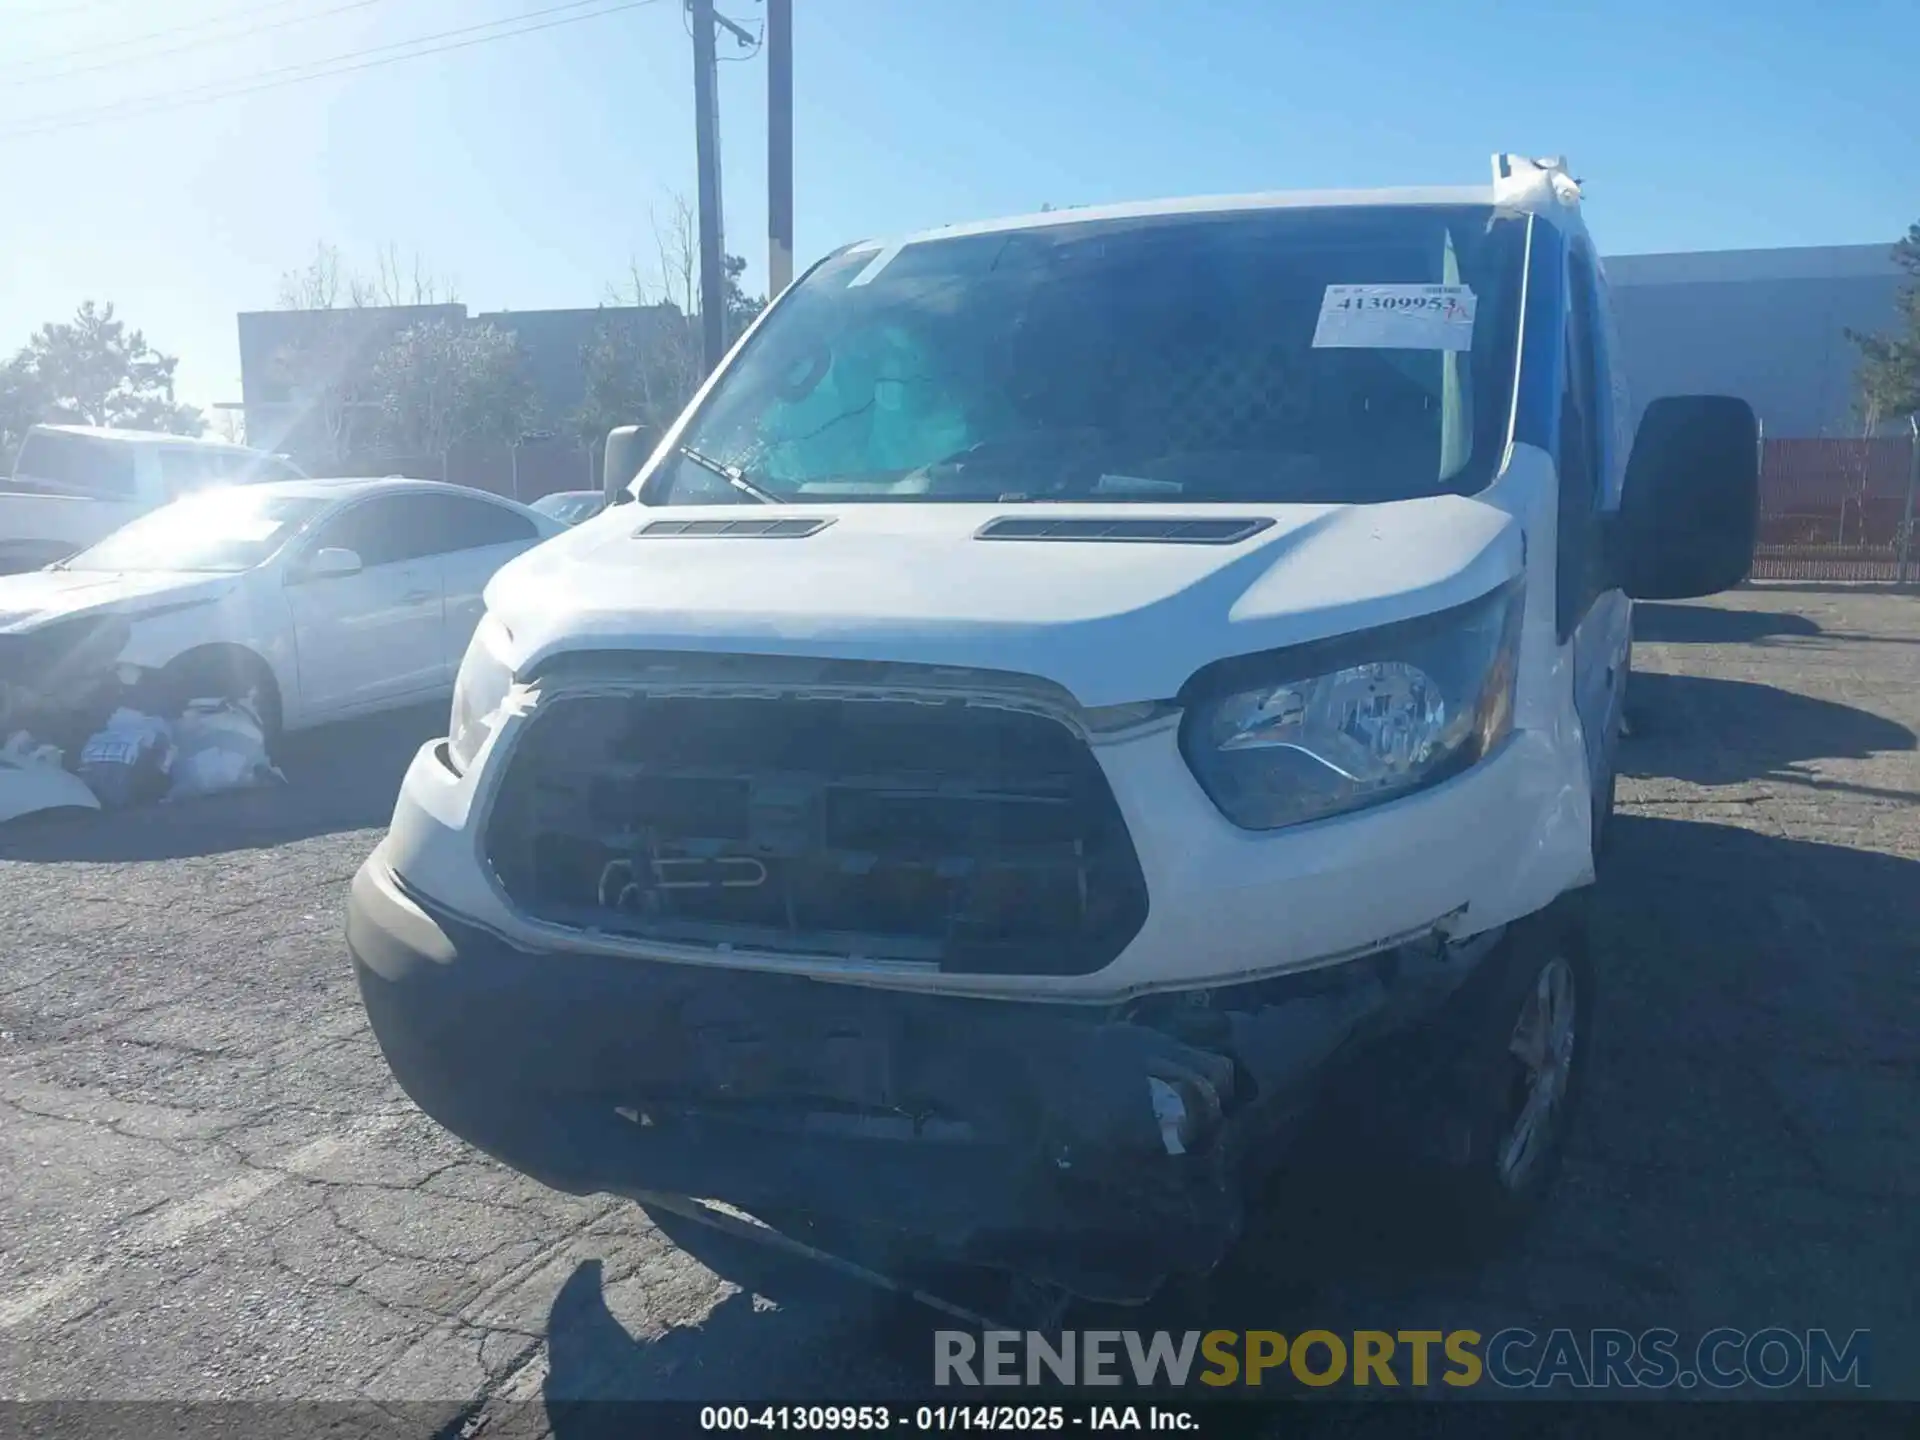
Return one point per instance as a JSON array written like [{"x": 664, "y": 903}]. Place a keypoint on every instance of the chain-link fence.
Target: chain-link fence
[{"x": 1837, "y": 510}]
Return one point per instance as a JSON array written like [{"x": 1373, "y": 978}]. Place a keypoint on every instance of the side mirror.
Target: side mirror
[
  {"x": 627, "y": 449},
  {"x": 330, "y": 562},
  {"x": 1691, "y": 503}
]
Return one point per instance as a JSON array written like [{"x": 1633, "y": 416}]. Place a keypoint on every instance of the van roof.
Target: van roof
[
  {"x": 1519, "y": 186},
  {"x": 143, "y": 437}
]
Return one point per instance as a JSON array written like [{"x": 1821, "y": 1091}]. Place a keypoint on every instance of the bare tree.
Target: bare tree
[
  {"x": 325, "y": 366},
  {"x": 316, "y": 286},
  {"x": 326, "y": 283},
  {"x": 646, "y": 372},
  {"x": 677, "y": 260},
  {"x": 230, "y": 426},
  {"x": 395, "y": 281}
]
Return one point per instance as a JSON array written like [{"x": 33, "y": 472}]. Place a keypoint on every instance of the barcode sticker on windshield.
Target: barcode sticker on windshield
[{"x": 1395, "y": 317}]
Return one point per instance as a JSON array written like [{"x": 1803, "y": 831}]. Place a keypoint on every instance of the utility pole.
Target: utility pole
[
  {"x": 706, "y": 117},
  {"x": 779, "y": 145}
]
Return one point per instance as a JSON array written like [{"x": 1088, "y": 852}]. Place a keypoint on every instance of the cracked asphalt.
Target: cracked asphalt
[{"x": 210, "y": 1188}]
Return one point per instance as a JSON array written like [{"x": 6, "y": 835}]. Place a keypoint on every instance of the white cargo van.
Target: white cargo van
[
  {"x": 1072, "y": 694},
  {"x": 75, "y": 484}
]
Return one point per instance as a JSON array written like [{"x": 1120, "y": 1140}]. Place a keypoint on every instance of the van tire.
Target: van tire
[{"x": 1521, "y": 1037}]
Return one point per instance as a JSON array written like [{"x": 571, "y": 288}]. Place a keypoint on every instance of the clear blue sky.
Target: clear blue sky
[{"x": 526, "y": 169}]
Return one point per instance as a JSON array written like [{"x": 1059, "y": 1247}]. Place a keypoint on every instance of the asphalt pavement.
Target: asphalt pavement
[{"x": 211, "y": 1189}]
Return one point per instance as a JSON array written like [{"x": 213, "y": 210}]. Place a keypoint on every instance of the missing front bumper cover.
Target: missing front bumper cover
[{"x": 1019, "y": 1135}]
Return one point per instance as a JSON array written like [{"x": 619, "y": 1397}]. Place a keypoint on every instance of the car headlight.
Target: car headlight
[
  {"x": 1297, "y": 735},
  {"x": 479, "y": 691}
]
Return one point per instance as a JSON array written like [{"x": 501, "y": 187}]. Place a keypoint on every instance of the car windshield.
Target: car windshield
[
  {"x": 1325, "y": 355},
  {"x": 220, "y": 530}
]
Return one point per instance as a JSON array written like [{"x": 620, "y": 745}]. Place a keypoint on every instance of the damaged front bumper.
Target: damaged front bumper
[
  {"x": 60, "y": 681},
  {"x": 1100, "y": 1148}
]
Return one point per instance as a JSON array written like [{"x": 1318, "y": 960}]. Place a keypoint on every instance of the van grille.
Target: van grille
[{"x": 951, "y": 833}]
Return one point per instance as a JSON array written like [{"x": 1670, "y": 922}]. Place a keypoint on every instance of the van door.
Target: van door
[{"x": 1594, "y": 615}]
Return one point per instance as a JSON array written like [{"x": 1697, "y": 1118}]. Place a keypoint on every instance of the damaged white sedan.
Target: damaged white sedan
[
  {"x": 306, "y": 600},
  {"x": 1072, "y": 694}
]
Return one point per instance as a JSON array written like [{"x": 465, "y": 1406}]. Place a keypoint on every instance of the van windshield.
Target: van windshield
[{"x": 1321, "y": 355}]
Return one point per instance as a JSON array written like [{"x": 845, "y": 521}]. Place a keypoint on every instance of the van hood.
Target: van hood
[
  {"x": 1113, "y": 620},
  {"x": 41, "y": 597}
]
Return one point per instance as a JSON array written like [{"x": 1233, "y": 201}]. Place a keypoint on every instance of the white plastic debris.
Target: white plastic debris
[
  {"x": 22, "y": 752},
  {"x": 128, "y": 762},
  {"x": 1171, "y": 1111},
  {"x": 33, "y": 777},
  {"x": 219, "y": 745}
]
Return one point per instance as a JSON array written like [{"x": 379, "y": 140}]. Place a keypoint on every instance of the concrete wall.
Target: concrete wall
[{"x": 1767, "y": 325}]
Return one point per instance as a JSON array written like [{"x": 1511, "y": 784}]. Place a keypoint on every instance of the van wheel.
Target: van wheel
[
  {"x": 1525, "y": 1029},
  {"x": 224, "y": 673}
]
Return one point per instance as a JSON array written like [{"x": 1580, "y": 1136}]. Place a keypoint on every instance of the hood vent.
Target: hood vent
[
  {"x": 1139, "y": 530},
  {"x": 769, "y": 528}
]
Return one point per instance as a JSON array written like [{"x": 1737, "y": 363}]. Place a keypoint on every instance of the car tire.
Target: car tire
[
  {"x": 224, "y": 673},
  {"x": 1521, "y": 1033}
]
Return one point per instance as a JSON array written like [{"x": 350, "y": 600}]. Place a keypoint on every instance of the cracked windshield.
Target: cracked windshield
[
  {"x": 743, "y": 716},
  {"x": 1158, "y": 359}
]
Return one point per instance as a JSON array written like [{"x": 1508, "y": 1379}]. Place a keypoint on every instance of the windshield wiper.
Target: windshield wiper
[{"x": 732, "y": 474}]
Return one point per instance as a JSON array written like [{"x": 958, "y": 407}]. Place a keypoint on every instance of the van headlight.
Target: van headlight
[
  {"x": 479, "y": 692},
  {"x": 1296, "y": 735}
]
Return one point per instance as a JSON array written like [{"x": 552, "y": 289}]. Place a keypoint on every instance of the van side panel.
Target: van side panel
[{"x": 1602, "y": 632}]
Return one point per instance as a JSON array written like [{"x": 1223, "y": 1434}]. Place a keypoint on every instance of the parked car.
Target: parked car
[
  {"x": 312, "y": 600},
  {"x": 1074, "y": 696},
  {"x": 570, "y": 507},
  {"x": 75, "y": 484}
]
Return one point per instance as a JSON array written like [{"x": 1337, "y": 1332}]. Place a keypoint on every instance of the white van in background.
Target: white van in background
[{"x": 73, "y": 485}]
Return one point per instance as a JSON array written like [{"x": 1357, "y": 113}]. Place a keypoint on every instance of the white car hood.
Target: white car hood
[
  {"x": 1112, "y": 621},
  {"x": 40, "y": 597}
]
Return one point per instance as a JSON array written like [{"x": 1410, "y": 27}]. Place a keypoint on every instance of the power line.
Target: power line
[
  {"x": 202, "y": 43},
  {"x": 124, "y": 42},
  {"x": 264, "y": 80},
  {"x": 64, "y": 9}
]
